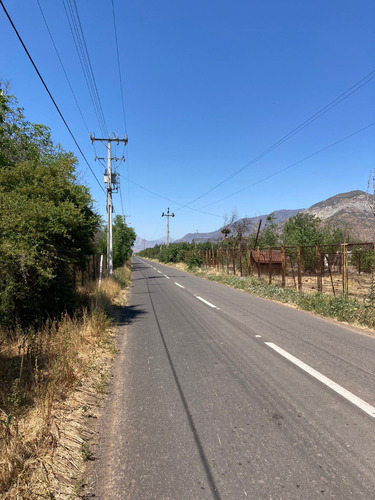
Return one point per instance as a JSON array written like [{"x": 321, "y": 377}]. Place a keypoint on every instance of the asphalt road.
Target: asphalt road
[{"x": 220, "y": 394}]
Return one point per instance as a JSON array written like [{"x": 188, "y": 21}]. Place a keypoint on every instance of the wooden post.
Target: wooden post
[
  {"x": 250, "y": 263},
  {"x": 330, "y": 275},
  {"x": 227, "y": 259},
  {"x": 299, "y": 268},
  {"x": 283, "y": 266},
  {"x": 270, "y": 266},
  {"x": 258, "y": 255},
  {"x": 234, "y": 261},
  {"x": 344, "y": 258},
  {"x": 240, "y": 259},
  {"x": 319, "y": 269}
]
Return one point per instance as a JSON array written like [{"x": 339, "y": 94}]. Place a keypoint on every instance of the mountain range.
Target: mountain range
[{"x": 351, "y": 211}]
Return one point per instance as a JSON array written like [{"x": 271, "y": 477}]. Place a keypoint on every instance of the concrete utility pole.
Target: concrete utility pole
[
  {"x": 110, "y": 179},
  {"x": 167, "y": 215}
]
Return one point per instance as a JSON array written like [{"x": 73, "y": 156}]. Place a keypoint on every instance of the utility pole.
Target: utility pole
[
  {"x": 110, "y": 179},
  {"x": 167, "y": 215}
]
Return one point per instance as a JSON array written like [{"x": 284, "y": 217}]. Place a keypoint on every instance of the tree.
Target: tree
[
  {"x": 123, "y": 240},
  {"x": 47, "y": 221},
  {"x": 268, "y": 237},
  {"x": 303, "y": 230}
]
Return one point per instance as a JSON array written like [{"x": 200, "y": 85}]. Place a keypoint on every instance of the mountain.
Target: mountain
[
  {"x": 350, "y": 211},
  {"x": 281, "y": 216},
  {"x": 141, "y": 243}
]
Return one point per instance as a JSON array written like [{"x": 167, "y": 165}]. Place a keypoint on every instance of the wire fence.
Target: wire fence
[{"x": 346, "y": 269}]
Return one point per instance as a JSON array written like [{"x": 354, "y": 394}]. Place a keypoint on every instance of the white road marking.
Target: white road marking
[
  {"x": 360, "y": 403},
  {"x": 168, "y": 278},
  {"x": 258, "y": 336},
  {"x": 158, "y": 271},
  {"x": 178, "y": 284},
  {"x": 206, "y": 302}
]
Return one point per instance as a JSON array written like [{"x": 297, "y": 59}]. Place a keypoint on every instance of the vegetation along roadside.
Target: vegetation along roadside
[
  {"x": 339, "y": 307},
  {"x": 57, "y": 326}
]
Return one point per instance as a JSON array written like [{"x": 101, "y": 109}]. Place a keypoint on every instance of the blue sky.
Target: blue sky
[{"x": 208, "y": 87}]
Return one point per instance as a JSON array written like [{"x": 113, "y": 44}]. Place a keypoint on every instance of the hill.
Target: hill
[
  {"x": 281, "y": 216},
  {"x": 350, "y": 211}
]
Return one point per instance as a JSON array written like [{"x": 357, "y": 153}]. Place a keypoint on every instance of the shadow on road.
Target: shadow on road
[{"x": 126, "y": 315}]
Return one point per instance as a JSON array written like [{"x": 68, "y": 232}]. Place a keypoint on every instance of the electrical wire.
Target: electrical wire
[
  {"x": 292, "y": 165},
  {"x": 48, "y": 92},
  {"x": 122, "y": 97},
  {"x": 62, "y": 65},
  {"x": 168, "y": 199},
  {"x": 118, "y": 65},
  {"x": 354, "y": 88},
  {"x": 75, "y": 25}
]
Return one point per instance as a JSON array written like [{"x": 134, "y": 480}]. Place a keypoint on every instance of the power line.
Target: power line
[
  {"x": 118, "y": 65},
  {"x": 62, "y": 65},
  {"x": 293, "y": 164},
  {"x": 75, "y": 25},
  {"x": 49, "y": 93},
  {"x": 354, "y": 88},
  {"x": 168, "y": 199}
]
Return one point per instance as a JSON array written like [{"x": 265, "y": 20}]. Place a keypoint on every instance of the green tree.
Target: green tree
[
  {"x": 269, "y": 237},
  {"x": 303, "y": 230},
  {"x": 123, "y": 240},
  {"x": 47, "y": 221}
]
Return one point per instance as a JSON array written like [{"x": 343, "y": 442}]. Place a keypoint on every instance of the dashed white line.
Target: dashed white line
[
  {"x": 258, "y": 336},
  {"x": 165, "y": 276},
  {"x": 178, "y": 284},
  {"x": 158, "y": 271},
  {"x": 360, "y": 403},
  {"x": 206, "y": 302}
]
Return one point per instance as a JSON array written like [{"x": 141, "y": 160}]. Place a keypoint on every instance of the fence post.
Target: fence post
[
  {"x": 319, "y": 269},
  {"x": 234, "y": 261},
  {"x": 345, "y": 277},
  {"x": 299, "y": 268},
  {"x": 270, "y": 266},
  {"x": 250, "y": 263},
  {"x": 258, "y": 253},
  {"x": 240, "y": 258},
  {"x": 283, "y": 266}
]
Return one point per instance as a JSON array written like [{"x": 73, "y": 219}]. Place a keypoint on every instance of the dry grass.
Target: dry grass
[{"x": 50, "y": 382}]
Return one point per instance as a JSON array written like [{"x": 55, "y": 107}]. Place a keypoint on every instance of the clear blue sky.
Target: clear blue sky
[{"x": 208, "y": 86}]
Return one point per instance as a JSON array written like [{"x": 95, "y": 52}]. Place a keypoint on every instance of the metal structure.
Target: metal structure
[
  {"x": 167, "y": 215},
  {"x": 111, "y": 179}
]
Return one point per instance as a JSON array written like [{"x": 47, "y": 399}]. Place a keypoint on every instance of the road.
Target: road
[{"x": 218, "y": 394}]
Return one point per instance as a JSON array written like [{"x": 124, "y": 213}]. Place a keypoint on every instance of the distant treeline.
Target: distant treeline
[{"x": 302, "y": 230}]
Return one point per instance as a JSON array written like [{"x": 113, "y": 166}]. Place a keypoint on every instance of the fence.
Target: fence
[{"x": 338, "y": 269}]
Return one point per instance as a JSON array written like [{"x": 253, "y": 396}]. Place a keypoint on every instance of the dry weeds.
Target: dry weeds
[{"x": 52, "y": 382}]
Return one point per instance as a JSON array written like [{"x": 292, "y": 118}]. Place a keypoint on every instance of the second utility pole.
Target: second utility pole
[
  {"x": 109, "y": 179},
  {"x": 167, "y": 215}
]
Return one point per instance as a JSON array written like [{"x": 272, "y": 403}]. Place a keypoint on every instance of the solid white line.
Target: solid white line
[
  {"x": 206, "y": 302},
  {"x": 370, "y": 410},
  {"x": 178, "y": 284},
  {"x": 168, "y": 278}
]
